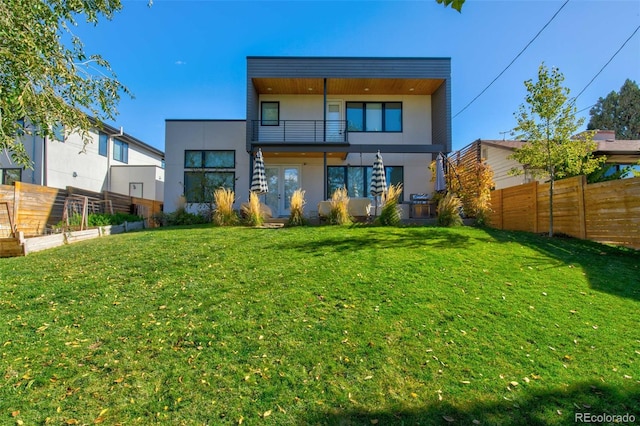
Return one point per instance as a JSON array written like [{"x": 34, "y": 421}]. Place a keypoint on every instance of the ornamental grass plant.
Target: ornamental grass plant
[
  {"x": 448, "y": 210},
  {"x": 390, "y": 213},
  {"x": 252, "y": 211},
  {"x": 223, "y": 213},
  {"x": 339, "y": 210},
  {"x": 296, "y": 217}
]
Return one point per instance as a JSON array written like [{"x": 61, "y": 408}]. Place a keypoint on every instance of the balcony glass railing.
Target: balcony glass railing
[{"x": 299, "y": 131}]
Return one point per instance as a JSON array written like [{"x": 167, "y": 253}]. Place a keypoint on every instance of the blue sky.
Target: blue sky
[{"x": 186, "y": 59}]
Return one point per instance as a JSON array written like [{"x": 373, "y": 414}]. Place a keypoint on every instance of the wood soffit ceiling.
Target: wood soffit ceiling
[{"x": 347, "y": 86}]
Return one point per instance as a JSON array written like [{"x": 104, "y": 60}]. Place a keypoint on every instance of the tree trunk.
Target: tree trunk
[{"x": 551, "y": 206}]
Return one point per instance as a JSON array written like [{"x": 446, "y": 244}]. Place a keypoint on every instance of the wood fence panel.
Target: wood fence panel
[
  {"x": 35, "y": 205},
  {"x": 147, "y": 208},
  {"x": 6, "y": 195},
  {"x": 121, "y": 203},
  {"x": 495, "y": 215},
  {"x": 568, "y": 207},
  {"x": 613, "y": 212},
  {"x": 519, "y": 207}
]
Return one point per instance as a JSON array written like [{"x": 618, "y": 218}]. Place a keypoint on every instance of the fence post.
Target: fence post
[
  {"x": 17, "y": 189},
  {"x": 581, "y": 182},
  {"x": 534, "y": 208}
]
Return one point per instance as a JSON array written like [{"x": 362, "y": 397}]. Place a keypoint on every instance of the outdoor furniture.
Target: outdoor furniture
[{"x": 360, "y": 209}]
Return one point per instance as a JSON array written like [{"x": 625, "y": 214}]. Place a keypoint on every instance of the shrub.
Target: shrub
[
  {"x": 179, "y": 217},
  {"x": 252, "y": 211},
  {"x": 223, "y": 214},
  {"x": 339, "y": 212},
  {"x": 449, "y": 210},
  {"x": 296, "y": 218},
  {"x": 390, "y": 213}
]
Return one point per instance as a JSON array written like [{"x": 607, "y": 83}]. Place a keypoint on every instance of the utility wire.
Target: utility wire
[
  {"x": 514, "y": 59},
  {"x": 605, "y": 65}
]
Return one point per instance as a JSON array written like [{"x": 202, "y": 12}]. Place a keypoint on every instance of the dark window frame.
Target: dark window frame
[
  {"x": 203, "y": 154},
  {"x": 367, "y": 171},
  {"x": 383, "y": 118},
  {"x": 4, "y": 175},
  {"x": 200, "y": 197},
  {"x": 269, "y": 121}
]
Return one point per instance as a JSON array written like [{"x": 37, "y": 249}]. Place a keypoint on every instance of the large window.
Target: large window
[
  {"x": 209, "y": 159},
  {"x": 120, "y": 151},
  {"x": 357, "y": 179},
  {"x": 200, "y": 185},
  {"x": 270, "y": 113},
  {"x": 206, "y": 171},
  {"x": 103, "y": 144},
  {"x": 374, "y": 116},
  {"x": 9, "y": 176}
]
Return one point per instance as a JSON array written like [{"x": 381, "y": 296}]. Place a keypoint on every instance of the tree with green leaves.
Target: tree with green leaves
[
  {"x": 618, "y": 111},
  {"x": 46, "y": 78},
  {"x": 548, "y": 123},
  {"x": 456, "y": 4}
]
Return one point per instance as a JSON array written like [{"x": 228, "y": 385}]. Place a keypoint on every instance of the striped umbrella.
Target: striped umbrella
[
  {"x": 259, "y": 180},
  {"x": 441, "y": 184},
  {"x": 378, "y": 180}
]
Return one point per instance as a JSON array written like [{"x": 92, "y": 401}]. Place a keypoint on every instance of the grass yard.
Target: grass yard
[{"x": 320, "y": 325}]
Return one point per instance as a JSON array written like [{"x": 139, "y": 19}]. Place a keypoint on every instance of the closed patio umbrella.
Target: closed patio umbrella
[
  {"x": 378, "y": 180},
  {"x": 258, "y": 179},
  {"x": 441, "y": 184}
]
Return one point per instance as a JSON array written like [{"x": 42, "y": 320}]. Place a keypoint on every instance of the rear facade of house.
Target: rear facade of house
[{"x": 319, "y": 123}]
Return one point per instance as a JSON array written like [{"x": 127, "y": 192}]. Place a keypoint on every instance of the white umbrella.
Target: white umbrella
[
  {"x": 441, "y": 184},
  {"x": 259, "y": 179},
  {"x": 378, "y": 180}
]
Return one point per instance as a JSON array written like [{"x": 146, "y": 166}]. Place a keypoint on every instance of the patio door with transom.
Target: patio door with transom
[{"x": 283, "y": 181}]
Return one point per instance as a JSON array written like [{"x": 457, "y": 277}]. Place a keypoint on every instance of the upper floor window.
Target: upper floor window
[
  {"x": 120, "y": 151},
  {"x": 103, "y": 144},
  {"x": 374, "y": 116},
  {"x": 270, "y": 113},
  {"x": 209, "y": 159}
]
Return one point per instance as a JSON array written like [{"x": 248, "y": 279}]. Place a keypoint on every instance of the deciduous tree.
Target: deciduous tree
[
  {"x": 46, "y": 78},
  {"x": 547, "y": 121}
]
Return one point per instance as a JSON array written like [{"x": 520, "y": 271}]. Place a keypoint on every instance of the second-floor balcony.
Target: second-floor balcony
[{"x": 299, "y": 131}]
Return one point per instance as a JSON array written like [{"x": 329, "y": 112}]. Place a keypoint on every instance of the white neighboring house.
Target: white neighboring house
[
  {"x": 319, "y": 122},
  {"x": 113, "y": 161},
  {"x": 619, "y": 153}
]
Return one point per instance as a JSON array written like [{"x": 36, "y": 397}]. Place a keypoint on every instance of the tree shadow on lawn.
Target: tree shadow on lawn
[
  {"x": 418, "y": 237},
  {"x": 543, "y": 407},
  {"x": 613, "y": 270}
]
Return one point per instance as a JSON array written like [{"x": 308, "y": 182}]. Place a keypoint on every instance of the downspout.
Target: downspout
[{"x": 43, "y": 171}]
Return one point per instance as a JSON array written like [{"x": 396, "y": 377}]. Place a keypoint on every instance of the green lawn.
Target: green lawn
[{"x": 320, "y": 325}]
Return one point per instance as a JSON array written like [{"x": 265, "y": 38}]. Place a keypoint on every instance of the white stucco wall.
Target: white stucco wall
[
  {"x": 182, "y": 135},
  {"x": 151, "y": 179}
]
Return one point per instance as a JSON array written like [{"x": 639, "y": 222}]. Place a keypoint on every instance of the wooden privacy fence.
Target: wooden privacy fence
[
  {"x": 33, "y": 208},
  {"x": 607, "y": 212}
]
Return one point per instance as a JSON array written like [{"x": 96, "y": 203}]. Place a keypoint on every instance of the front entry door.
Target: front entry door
[{"x": 283, "y": 181}]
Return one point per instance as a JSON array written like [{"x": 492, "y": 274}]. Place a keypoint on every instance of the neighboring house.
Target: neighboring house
[
  {"x": 495, "y": 153},
  {"x": 112, "y": 161},
  {"x": 319, "y": 123}
]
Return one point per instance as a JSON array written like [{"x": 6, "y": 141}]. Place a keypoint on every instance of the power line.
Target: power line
[
  {"x": 608, "y": 62},
  {"x": 514, "y": 59}
]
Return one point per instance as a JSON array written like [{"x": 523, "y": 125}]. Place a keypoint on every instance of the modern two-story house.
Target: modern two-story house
[
  {"x": 112, "y": 161},
  {"x": 319, "y": 123}
]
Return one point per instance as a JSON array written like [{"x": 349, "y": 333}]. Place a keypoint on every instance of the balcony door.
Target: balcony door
[
  {"x": 283, "y": 181},
  {"x": 334, "y": 119}
]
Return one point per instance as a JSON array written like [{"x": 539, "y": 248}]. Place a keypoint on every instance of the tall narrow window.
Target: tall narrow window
[
  {"x": 103, "y": 144},
  {"x": 270, "y": 113},
  {"x": 120, "y": 151}
]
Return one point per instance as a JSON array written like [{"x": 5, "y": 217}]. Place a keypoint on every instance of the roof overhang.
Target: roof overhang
[{"x": 347, "y": 86}]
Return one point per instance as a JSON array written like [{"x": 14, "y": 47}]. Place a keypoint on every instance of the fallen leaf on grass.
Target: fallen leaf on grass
[
  {"x": 449, "y": 419},
  {"x": 374, "y": 421},
  {"x": 266, "y": 414}
]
